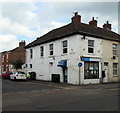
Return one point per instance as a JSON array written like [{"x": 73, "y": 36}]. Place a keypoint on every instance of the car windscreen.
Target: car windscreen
[
  {"x": 21, "y": 72},
  {"x": 10, "y": 73}
]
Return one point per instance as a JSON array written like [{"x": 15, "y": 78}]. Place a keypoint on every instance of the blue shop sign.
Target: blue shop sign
[
  {"x": 85, "y": 59},
  {"x": 62, "y": 63}
]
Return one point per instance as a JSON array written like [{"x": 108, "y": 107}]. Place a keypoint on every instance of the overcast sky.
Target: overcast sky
[{"x": 29, "y": 20}]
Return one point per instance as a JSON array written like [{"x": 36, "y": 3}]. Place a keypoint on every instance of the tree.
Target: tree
[{"x": 17, "y": 64}]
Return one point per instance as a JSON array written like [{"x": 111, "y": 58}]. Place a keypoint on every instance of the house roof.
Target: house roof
[{"x": 75, "y": 28}]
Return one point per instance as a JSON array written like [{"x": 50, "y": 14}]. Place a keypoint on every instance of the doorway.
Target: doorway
[
  {"x": 65, "y": 77},
  {"x": 105, "y": 68}
]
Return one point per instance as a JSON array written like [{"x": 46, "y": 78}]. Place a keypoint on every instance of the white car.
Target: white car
[{"x": 18, "y": 75}]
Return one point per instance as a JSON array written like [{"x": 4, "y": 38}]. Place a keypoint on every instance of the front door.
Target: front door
[
  {"x": 65, "y": 75},
  {"x": 105, "y": 79},
  {"x": 50, "y": 70}
]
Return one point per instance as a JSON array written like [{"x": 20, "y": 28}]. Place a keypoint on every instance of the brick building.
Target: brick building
[{"x": 7, "y": 57}]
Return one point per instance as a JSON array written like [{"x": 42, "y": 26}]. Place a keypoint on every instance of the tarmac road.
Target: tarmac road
[{"x": 47, "y": 96}]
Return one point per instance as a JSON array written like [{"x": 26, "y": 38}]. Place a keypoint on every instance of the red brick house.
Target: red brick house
[{"x": 7, "y": 57}]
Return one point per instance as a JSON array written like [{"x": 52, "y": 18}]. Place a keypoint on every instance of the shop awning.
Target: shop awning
[{"x": 62, "y": 63}]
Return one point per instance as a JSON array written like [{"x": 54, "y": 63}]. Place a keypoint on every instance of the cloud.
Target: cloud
[
  {"x": 11, "y": 27},
  {"x": 8, "y": 42},
  {"x": 59, "y": 1},
  {"x": 41, "y": 30},
  {"x": 30, "y": 20},
  {"x": 22, "y": 13},
  {"x": 103, "y": 10},
  {"x": 57, "y": 24}
]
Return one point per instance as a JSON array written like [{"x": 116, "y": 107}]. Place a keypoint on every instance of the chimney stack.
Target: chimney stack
[
  {"x": 22, "y": 44},
  {"x": 76, "y": 18},
  {"x": 93, "y": 22},
  {"x": 107, "y": 26}
]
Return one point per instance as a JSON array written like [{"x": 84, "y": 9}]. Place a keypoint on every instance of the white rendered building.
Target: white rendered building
[{"x": 74, "y": 51}]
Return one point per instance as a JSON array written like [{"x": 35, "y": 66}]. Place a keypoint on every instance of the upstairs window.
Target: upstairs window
[
  {"x": 3, "y": 58},
  {"x": 114, "y": 49},
  {"x": 65, "y": 46},
  {"x": 90, "y": 46},
  {"x": 7, "y": 58},
  {"x": 115, "y": 68},
  {"x": 51, "y": 49},
  {"x": 31, "y": 53},
  {"x": 41, "y": 51}
]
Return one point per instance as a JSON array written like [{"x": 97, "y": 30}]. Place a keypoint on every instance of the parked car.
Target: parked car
[
  {"x": 6, "y": 74},
  {"x": 18, "y": 75}
]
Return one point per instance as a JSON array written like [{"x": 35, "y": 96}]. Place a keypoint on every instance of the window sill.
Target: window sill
[
  {"x": 51, "y": 56},
  {"x": 115, "y": 76},
  {"x": 91, "y": 53},
  {"x": 64, "y": 54},
  {"x": 41, "y": 57}
]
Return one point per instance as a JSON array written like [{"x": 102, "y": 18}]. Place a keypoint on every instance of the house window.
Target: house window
[
  {"x": 31, "y": 53},
  {"x": 3, "y": 58},
  {"x": 51, "y": 49},
  {"x": 114, "y": 49},
  {"x": 65, "y": 46},
  {"x": 41, "y": 51},
  {"x": 7, "y": 58},
  {"x": 115, "y": 68},
  {"x": 90, "y": 46},
  {"x": 91, "y": 70},
  {"x": 30, "y": 65}
]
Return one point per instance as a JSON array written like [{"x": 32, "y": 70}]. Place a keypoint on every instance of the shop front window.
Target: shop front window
[{"x": 91, "y": 70}]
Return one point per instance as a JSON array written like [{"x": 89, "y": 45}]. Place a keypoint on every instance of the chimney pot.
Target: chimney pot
[
  {"x": 93, "y": 22},
  {"x": 107, "y": 22},
  {"x": 22, "y": 44},
  {"x": 107, "y": 26},
  {"x": 76, "y": 13},
  {"x": 76, "y": 18}
]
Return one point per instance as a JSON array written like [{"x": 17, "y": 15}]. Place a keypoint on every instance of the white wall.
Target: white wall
[{"x": 76, "y": 47}]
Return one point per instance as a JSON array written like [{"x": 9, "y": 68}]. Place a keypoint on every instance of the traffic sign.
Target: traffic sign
[{"x": 80, "y": 64}]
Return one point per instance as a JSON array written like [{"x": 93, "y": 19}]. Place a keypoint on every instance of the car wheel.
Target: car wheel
[
  {"x": 10, "y": 78},
  {"x": 3, "y": 77},
  {"x": 14, "y": 78}
]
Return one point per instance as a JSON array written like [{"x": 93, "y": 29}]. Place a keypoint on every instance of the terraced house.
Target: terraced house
[
  {"x": 8, "y": 57},
  {"x": 79, "y": 53}
]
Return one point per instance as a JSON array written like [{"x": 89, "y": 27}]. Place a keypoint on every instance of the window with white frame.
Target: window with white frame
[
  {"x": 31, "y": 53},
  {"x": 115, "y": 68},
  {"x": 42, "y": 51},
  {"x": 65, "y": 46},
  {"x": 90, "y": 46},
  {"x": 114, "y": 49},
  {"x": 51, "y": 49}
]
